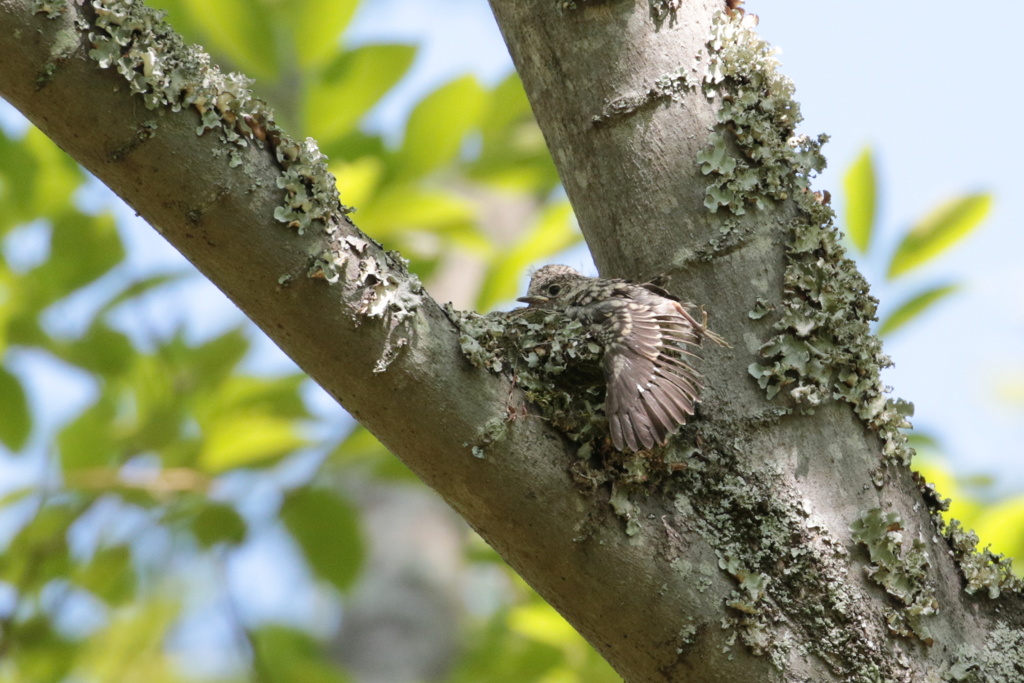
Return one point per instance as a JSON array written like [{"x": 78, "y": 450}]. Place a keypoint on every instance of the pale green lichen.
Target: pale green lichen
[
  {"x": 824, "y": 349},
  {"x": 386, "y": 290},
  {"x": 664, "y": 9},
  {"x": 687, "y": 635},
  {"x": 786, "y": 572},
  {"x": 1000, "y": 660},
  {"x": 667, "y": 88},
  {"x": 984, "y": 572},
  {"x": 747, "y": 617},
  {"x": 757, "y": 534},
  {"x": 494, "y": 430},
  {"x": 554, "y": 360},
  {"x": 625, "y": 509},
  {"x": 902, "y": 573},
  {"x": 747, "y": 621},
  {"x": 51, "y": 8},
  {"x": 755, "y": 156},
  {"x": 310, "y": 193},
  {"x": 660, "y": 9},
  {"x": 165, "y": 72},
  {"x": 760, "y": 309}
]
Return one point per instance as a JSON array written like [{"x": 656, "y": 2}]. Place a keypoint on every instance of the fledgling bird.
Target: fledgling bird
[{"x": 646, "y": 334}]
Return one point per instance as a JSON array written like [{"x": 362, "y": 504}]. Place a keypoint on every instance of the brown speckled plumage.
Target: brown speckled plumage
[{"x": 648, "y": 338}]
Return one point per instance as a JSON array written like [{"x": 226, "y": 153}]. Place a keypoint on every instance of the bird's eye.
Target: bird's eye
[{"x": 553, "y": 290}]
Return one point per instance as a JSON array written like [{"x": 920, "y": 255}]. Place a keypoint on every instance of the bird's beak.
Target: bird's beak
[{"x": 533, "y": 299}]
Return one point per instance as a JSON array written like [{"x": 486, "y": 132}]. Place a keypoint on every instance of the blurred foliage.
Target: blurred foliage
[
  {"x": 930, "y": 237},
  {"x": 117, "y": 559}
]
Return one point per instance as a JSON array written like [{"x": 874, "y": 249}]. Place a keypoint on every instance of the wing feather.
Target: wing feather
[{"x": 651, "y": 388}]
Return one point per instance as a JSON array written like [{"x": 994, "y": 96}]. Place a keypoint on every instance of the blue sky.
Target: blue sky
[{"x": 934, "y": 90}]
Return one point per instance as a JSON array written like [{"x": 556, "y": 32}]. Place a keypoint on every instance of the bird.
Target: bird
[{"x": 648, "y": 337}]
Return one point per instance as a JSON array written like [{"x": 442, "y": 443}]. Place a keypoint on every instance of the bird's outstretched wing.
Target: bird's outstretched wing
[{"x": 651, "y": 387}]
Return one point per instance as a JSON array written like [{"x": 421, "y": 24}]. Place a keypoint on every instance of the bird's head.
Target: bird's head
[{"x": 549, "y": 285}]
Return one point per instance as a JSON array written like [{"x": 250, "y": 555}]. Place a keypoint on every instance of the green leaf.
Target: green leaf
[
  {"x": 145, "y": 286},
  {"x": 327, "y": 530},
  {"x": 999, "y": 525},
  {"x": 539, "y": 621},
  {"x": 242, "y": 31},
  {"x": 35, "y": 651},
  {"x": 938, "y": 231},
  {"x": 513, "y": 155},
  {"x": 57, "y": 178},
  {"x": 39, "y": 551},
  {"x": 284, "y": 655},
  {"x": 179, "y": 16},
  {"x": 317, "y": 26},
  {"x": 277, "y": 396},
  {"x": 109, "y": 576},
  {"x": 101, "y": 350},
  {"x": 82, "y": 249},
  {"x": 403, "y": 207},
  {"x": 358, "y": 180},
  {"x": 37, "y": 179},
  {"x": 247, "y": 440},
  {"x": 920, "y": 440},
  {"x": 507, "y": 107},
  {"x": 860, "y": 186},
  {"x": 15, "y": 496},
  {"x": 914, "y": 307},
  {"x": 218, "y": 523},
  {"x": 361, "y": 449},
  {"x": 15, "y": 418},
  {"x": 554, "y": 232},
  {"x": 211, "y": 363},
  {"x": 356, "y": 145},
  {"x": 498, "y": 654},
  {"x": 9, "y": 301},
  {"x": 131, "y": 646},
  {"x": 88, "y": 442},
  {"x": 160, "y": 418},
  {"x": 438, "y": 125},
  {"x": 351, "y": 85}
]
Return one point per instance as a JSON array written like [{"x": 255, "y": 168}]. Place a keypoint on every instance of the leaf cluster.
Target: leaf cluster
[{"x": 930, "y": 237}]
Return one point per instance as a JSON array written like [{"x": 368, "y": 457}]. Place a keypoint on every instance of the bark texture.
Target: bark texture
[{"x": 738, "y": 563}]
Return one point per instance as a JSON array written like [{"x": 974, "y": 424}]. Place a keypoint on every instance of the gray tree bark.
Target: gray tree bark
[{"x": 788, "y": 541}]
